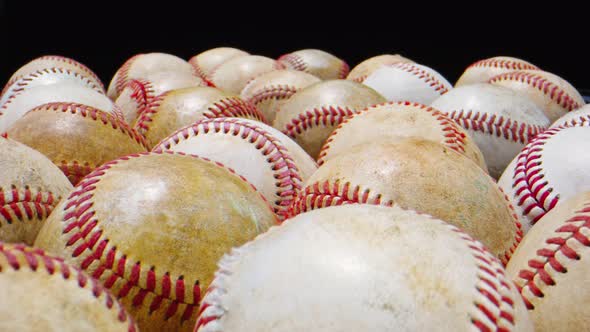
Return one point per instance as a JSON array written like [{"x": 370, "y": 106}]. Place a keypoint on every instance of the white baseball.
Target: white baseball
[
  {"x": 408, "y": 82},
  {"x": 482, "y": 70},
  {"x": 267, "y": 158},
  {"x": 500, "y": 120},
  {"x": 579, "y": 117},
  {"x": 362, "y": 268},
  {"x": 205, "y": 62},
  {"x": 360, "y": 72},
  {"x": 18, "y": 104},
  {"x": 551, "y": 168},
  {"x": 233, "y": 75}
]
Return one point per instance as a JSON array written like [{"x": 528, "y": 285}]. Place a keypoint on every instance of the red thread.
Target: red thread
[
  {"x": 16, "y": 204},
  {"x": 325, "y": 115},
  {"x": 512, "y": 64},
  {"x": 422, "y": 74},
  {"x": 276, "y": 92}
]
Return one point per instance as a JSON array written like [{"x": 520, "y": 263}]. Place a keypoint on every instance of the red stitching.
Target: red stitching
[
  {"x": 142, "y": 93},
  {"x": 344, "y": 70},
  {"x": 504, "y": 63},
  {"x": 277, "y": 92},
  {"x": 294, "y": 61},
  {"x": 87, "y": 240},
  {"x": 532, "y": 192},
  {"x": 75, "y": 171},
  {"x": 123, "y": 72},
  {"x": 537, "y": 81},
  {"x": 422, "y": 74},
  {"x": 18, "y": 256},
  {"x": 547, "y": 258},
  {"x": 18, "y": 204},
  {"x": 288, "y": 180},
  {"x": 454, "y": 137},
  {"x": 324, "y": 115},
  {"x": 498, "y": 126}
]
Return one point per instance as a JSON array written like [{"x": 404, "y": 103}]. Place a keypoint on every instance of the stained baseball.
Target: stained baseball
[
  {"x": 361, "y": 71},
  {"x": 205, "y": 62},
  {"x": 481, "y": 71},
  {"x": 233, "y": 75},
  {"x": 316, "y": 62}
]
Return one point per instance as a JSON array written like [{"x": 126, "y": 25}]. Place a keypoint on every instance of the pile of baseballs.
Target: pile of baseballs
[{"x": 237, "y": 192}]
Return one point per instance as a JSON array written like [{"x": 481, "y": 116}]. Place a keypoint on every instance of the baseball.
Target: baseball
[
  {"x": 21, "y": 102},
  {"x": 175, "y": 109},
  {"x": 482, "y": 70},
  {"x": 316, "y": 62},
  {"x": 362, "y": 268},
  {"x": 140, "y": 65},
  {"x": 138, "y": 93},
  {"x": 554, "y": 95},
  {"x": 77, "y": 138},
  {"x": 267, "y": 158},
  {"x": 233, "y": 75},
  {"x": 30, "y": 188},
  {"x": 205, "y": 62},
  {"x": 579, "y": 117},
  {"x": 268, "y": 91},
  {"x": 361, "y": 71},
  {"x": 42, "y": 293},
  {"x": 422, "y": 175},
  {"x": 500, "y": 121},
  {"x": 408, "y": 82},
  {"x": 392, "y": 121},
  {"x": 54, "y": 61},
  {"x": 551, "y": 270},
  {"x": 144, "y": 226},
  {"x": 551, "y": 168},
  {"x": 311, "y": 114}
]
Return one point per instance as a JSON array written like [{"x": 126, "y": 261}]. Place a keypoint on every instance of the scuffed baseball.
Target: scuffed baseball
[
  {"x": 175, "y": 109},
  {"x": 408, "y": 82},
  {"x": 500, "y": 121},
  {"x": 54, "y": 61},
  {"x": 361, "y": 71},
  {"x": 205, "y": 62},
  {"x": 233, "y": 75},
  {"x": 579, "y": 117},
  {"x": 551, "y": 267},
  {"x": 391, "y": 121},
  {"x": 140, "y": 65},
  {"x": 311, "y": 114},
  {"x": 138, "y": 93},
  {"x": 76, "y": 138},
  {"x": 30, "y": 188},
  {"x": 481, "y": 71},
  {"x": 554, "y": 95},
  {"x": 42, "y": 293},
  {"x": 152, "y": 227},
  {"x": 20, "y": 103},
  {"x": 422, "y": 175},
  {"x": 551, "y": 168},
  {"x": 267, "y": 158},
  {"x": 362, "y": 268},
  {"x": 268, "y": 91},
  {"x": 316, "y": 62}
]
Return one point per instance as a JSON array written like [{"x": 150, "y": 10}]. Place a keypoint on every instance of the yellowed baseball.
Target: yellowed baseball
[{"x": 316, "y": 62}]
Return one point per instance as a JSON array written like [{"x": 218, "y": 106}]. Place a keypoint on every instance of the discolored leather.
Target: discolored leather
[
  {"x": 362, "y": 268},
  {"x": 553, "y": 259},
  {"x": 391, "y": 121},
  {"x": 232, "y": 75},
  {"x": 171, "y": 213},
  {"x": 311, "y": 114},
  {"x": 54, "y": 61},
  {"x": 319, "y": 63},
  {"x": 481, "y": 71},
  {"x": 417, "y": 174},
  {"x": 138, "y": 93},
  {"x": 182, "y": 107},
  {"x": 143, "y": 64},
  {"x": 30, "y": 187},
  {"x": 41, "y": 293},
  {"x": 268, "y": 91},
  {"x": 205, "y": 62},
  {"x": 77, "y": 138},
  {"x": 368, "y": 66},
  {"x": 579, "y": 117}
]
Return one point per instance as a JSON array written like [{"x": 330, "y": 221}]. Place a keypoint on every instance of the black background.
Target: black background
[{"x": 103, "y": 35}]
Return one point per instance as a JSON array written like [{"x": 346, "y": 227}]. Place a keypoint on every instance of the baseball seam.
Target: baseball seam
[
  {"x": 89, "y": 243},
  {"x": 328, "y": 115},
  {"x": 548, "y": 88},
  {"x": 294, "y": 61},
  {"x": 344, "y": 70},
  {"x": 287, "y": 178},
  {"x": 555, "y": 257},
  {"x": 499, "y": 126},
  {"x": 503, "y": 63},
  {"x": 453, "y": 137},
  {"x": 20, "y": 256},
  {"x": 123, "y": 73},
  {"x": 142, "y": 93},
  {"x": 276, "y": 92},
  {"x": 423, "y": 75},
  {"x": 531, "y": 191},
  {"x": 18, "y": 204}
]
